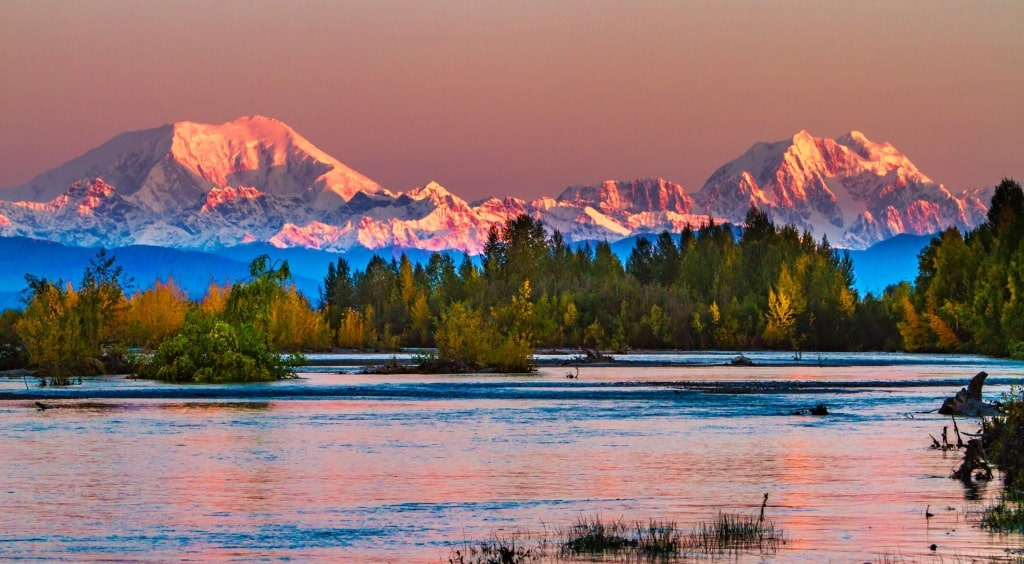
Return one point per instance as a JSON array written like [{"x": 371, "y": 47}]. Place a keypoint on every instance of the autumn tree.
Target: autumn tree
[
  {"x": 233, "y": 346},
  {"x": 153, "y": 315}
]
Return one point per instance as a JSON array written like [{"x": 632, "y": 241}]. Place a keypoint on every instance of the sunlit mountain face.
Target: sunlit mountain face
[{"x": 255, "y": 180}]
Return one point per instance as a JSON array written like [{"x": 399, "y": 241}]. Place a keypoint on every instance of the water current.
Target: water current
[{"x": 343, "y": 466}]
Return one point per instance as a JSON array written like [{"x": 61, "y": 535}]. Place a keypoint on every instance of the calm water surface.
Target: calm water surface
[{"x": 339, "y": 466}]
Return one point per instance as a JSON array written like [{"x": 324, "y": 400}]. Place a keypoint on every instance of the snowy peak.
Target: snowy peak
[
  {"x": 432, "y": 191},
  {"x": 883, "y": 156},
  {"x": 855, "y": 191},
  {"x": 164, "y": 167},
  {"x": 124, "y": 161},
  {"x": 267, "y": 154},
  {"x": 255, "y": 179}
]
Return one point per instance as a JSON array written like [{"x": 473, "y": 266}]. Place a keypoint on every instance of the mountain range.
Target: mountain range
[{"x": 192, "y": 186}]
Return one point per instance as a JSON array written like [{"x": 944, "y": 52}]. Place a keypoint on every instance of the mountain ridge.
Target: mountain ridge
[{"x": 188, "y": 185}]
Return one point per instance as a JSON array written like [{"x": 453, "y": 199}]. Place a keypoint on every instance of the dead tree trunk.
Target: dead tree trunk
[{"x": 974, "y": 459}]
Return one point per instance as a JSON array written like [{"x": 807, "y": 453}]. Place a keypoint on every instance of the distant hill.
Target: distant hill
[
  {"x": 192, "y": 270},
  {"x": 889, "y": 262}
]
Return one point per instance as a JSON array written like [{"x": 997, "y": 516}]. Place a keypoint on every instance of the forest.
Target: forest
[{"x": 714, "y": 287}]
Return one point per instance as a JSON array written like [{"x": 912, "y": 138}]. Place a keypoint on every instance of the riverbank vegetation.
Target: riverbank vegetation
[
  {"x": 596, "y": 539},
  {"x": 1003, "y": 437},
  {"x": 713, "y": 287},
  {"x": 969, "y": 292}
]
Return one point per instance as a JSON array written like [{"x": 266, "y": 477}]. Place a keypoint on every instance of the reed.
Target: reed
[
  {"x": 597, "y": 539},
  {"x": 727, "y": 533},
  {"x": 730, "y": 532},
  {"x": 497, "y": 550},
  {"x": 1006, "y": 516}
]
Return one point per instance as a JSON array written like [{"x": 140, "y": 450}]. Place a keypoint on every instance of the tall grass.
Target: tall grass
[
  {"x": 1007, "y": 515},
  {"x": 596, "y": 539},
  {"x": 727, "y": 533},
  {"x": 730, "y": 532},
  {"x": 497, "y": 550}
]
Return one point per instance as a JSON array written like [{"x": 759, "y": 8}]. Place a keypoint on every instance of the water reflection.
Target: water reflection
[{"x": 361, "y": 468}]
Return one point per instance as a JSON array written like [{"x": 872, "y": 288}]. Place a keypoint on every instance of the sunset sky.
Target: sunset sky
[{"x": 523, "y": 98}]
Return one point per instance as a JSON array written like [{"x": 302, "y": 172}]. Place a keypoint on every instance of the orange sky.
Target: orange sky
[{"x": 523, "y": 98}]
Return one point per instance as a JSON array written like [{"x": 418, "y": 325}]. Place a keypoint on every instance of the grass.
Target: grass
[
  {"x": 731, "y": 532},
  {"x": 1006, "y": 516},
  {"x": 496, "y": 550},
  {"x": 595, "y": 536},
  {"x": 595, "y": 539},
  {"x": 727, "y": 533}
]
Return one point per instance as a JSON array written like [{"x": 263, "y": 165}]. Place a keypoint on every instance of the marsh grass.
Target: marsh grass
[
  {"x": 1007, "y": 515},
  {"x": 596, "y": 539},
  {"x": 510, "y": 549},
  {"x": 897, "y": 558},
  {"x": 727, "y": 533},
  {"x": 731, "y": 532}
]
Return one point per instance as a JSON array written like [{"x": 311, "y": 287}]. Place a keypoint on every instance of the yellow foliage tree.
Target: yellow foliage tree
[
  {"x": 52, "y": 332},
  {"x": 420, "y": 320},
  {"x": 153, "y": 315},
  {"x": 294, "y": 325},
  {"x": 461, "y": 334},
  {"x": 216, "y": 298},
  {"x": 785, "y": 303},
  {"x": 352, "y": 330},
  {"x": 913, "y": 329}
]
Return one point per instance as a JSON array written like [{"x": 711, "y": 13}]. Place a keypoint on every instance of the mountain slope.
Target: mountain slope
[
  {"x": 255, "y": 180},
  {"x": 855, "y": 191},
  {"x": 162, "y": 167}
]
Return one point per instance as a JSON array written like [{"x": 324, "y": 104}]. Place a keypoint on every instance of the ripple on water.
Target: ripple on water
[{"x": 371, "y": 469}]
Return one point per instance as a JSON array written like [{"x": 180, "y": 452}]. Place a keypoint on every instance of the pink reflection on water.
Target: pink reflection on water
[{"x": 399, "y": 479}]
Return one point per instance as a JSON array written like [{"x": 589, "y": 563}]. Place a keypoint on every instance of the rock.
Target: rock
[{"x": 967, "y": 402}]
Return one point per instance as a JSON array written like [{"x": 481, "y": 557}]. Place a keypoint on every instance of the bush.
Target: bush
[
  {"x": 465, "y": 337},
  {"x": 1003, "y": 437},
  {"x": 232, "y": 346},
  {"x": 210, "y": 350}
]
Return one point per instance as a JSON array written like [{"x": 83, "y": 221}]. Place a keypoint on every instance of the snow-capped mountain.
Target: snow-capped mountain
[
  {"x": 851, "y": 189},
  {"x": 197, "y": 186},
  {"x": 163, "y": 168}
]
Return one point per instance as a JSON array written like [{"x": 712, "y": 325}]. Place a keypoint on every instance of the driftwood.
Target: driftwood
[
  {"x": 592, "y": 356},
  {"x": 946, "y": 444},
  {"x": 967, "y": 402},
  {"x": 820, "y": 409},
  {"x": 974, "y": 459},
  {"x": 742, "y": 360}
]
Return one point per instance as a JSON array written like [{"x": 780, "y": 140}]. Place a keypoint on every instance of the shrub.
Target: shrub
[
  {"x": 1003, "y": 437},
  {"x": 210, "y": 350},
  {"x": 232, "y": 346}
]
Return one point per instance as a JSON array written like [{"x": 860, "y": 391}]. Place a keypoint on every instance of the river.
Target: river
[{"x": 341, "y": 466}]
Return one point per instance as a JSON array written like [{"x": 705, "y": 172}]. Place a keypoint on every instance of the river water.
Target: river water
[{"x": 340, "y": 466}]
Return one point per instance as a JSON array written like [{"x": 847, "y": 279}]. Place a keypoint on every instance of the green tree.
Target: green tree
[
  {"x": 12, "y": 350},
  {"x": 234, "y": 346},
  {"x": 100, "y": 299}
]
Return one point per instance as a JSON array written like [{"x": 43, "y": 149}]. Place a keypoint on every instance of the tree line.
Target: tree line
[
  {"x": 714, "y": 287},
  {"x": 969, "y": 292}
]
